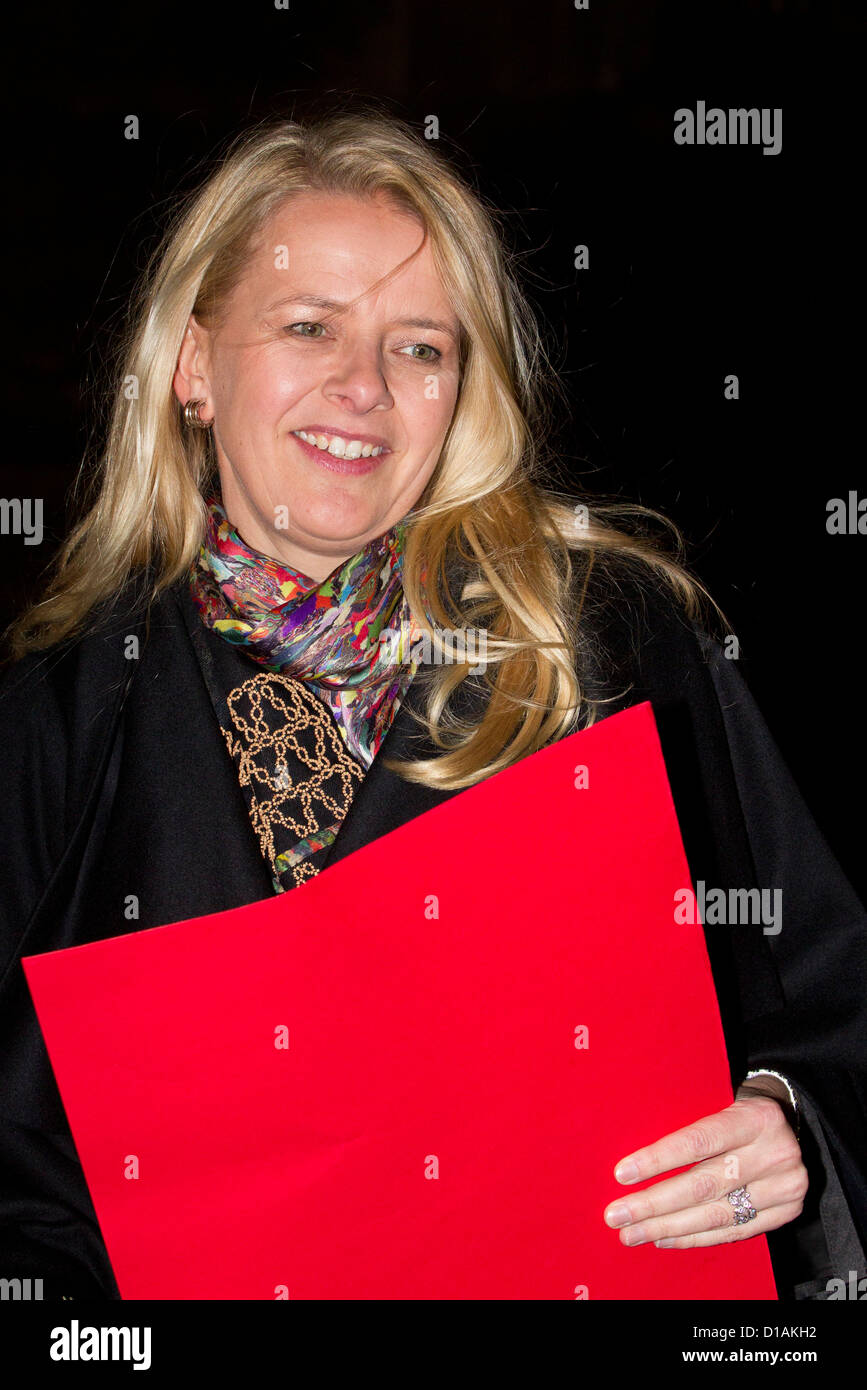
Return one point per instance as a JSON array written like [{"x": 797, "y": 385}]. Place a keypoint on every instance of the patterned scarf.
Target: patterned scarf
[{"x": 326, "y": 635}]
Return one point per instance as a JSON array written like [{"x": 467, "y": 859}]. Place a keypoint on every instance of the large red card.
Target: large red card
[{"x": 412, "y": 1076}]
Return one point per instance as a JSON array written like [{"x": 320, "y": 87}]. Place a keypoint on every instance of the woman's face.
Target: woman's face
[{"x": 383, "y": 373}]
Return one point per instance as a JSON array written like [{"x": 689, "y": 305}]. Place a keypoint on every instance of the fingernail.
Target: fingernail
[
  {"x": 665, "y": 1244},
  {"x": 626, "y": 1172},
  {"x": 636, "y": 1235},
  {"x": 619, "y": 1216}
]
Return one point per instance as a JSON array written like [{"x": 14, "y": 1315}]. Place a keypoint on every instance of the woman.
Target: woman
[{"x": 326, "y": 426}]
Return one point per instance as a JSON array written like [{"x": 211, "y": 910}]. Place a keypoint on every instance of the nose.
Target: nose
[{"x": 357, "y": 380}]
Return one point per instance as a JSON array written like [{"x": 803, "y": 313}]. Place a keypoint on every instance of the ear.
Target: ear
[{"x": 191, "y": 379}]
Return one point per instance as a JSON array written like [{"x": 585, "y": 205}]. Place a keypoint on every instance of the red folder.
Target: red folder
[{"x": 412, "y": 1076}]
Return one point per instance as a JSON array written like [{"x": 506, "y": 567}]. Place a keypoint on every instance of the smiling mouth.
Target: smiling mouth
[{"x": 339, "y": 447}]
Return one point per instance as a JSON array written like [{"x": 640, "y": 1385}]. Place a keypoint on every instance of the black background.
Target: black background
[{"x": 704, "y": 261}]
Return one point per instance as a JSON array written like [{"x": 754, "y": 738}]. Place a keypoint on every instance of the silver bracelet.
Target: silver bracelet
[{"x": 793, "y": 1099}]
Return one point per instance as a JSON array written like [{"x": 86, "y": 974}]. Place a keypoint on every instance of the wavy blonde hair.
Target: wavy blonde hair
[{"x": 518, "y": 546}]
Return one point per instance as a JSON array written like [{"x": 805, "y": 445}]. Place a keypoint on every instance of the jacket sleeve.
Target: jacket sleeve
[
  {"x": 818, "y": 1040},
  {"x": 48, "y": 1228}
]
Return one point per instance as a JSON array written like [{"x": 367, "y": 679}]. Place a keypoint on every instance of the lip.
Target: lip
[{"x": 348, "y": 467}]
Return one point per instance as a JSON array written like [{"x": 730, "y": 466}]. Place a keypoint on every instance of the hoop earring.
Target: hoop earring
[{"x": 192, "y": 415}]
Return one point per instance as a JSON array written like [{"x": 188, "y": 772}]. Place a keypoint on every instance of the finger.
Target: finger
[
  {"x": 766, "y": 1196},
  {"x": 722, "y": 1132},
  {"x": 769, "y": 1220},
  {"x": 709, "y": 1181}
]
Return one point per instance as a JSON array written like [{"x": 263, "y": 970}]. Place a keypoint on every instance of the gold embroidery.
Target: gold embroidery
[{"x": 269, "y": 712}]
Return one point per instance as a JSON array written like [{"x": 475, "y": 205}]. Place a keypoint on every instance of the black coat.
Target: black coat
[{"x": 117, "y": 781}]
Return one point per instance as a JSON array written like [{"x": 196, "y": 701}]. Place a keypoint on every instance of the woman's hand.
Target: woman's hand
[{"x": 750, "y": 1144}]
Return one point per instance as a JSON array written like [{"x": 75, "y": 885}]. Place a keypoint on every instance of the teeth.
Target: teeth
[{"x": 339, "y": 447}]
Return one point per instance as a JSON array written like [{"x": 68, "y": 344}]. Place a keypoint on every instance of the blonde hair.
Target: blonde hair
[{"x": 519, "y": 546}]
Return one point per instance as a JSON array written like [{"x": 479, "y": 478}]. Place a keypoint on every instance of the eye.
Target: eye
[
  {"x": 427, "y": 348},
  {"x": 291, "y": 327}
]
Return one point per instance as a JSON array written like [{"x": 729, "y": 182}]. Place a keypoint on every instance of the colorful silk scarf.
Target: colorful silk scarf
[{"x": 326, "y": 635}]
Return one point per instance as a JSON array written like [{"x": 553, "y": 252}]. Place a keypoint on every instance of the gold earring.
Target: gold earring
[{"x": 192, "y": 415}]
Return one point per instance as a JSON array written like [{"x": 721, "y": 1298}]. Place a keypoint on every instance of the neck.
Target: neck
[{"x": 315, "y": 564}]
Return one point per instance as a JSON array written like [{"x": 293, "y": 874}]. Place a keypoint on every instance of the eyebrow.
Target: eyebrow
[{"x": 315, "y": 301}]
